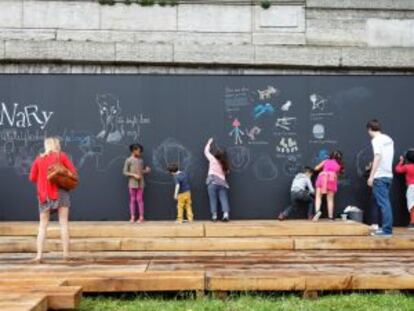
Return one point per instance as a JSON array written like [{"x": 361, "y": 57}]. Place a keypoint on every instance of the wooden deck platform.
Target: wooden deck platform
[{"x": 164, "y": 256}]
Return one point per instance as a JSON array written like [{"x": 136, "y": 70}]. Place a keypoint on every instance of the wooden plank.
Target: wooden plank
[
  {"x": 200, "y": 244},
  {"x": 112, "y": 229},
  {"x": 285, "y": 228},
  {"x": 23, "y": 302},
  {"x": 370, "y": 281},
  {"x": 250, "y": 228},
  {"x": 242, "y": 281},
  {"x": 346, "y": 243},
  {"x": 146, "y": 281},
  {"x": 30, "y": 280},
  {"x": 58, "y": 297}
]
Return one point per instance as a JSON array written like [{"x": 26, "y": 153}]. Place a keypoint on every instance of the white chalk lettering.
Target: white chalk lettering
[{"x": 27, "y": 117}]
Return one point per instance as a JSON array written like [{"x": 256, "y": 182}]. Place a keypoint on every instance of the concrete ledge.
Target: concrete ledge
[
  {"x": 206, "y": 54},
  {"x": 378, "y": 57},
  {"x": 214, "y": 54},
  {"x": 297, "y": 56},
  {"x": 63, "y": 51},
  {"x": 362, "y": 4},
  {"x": 156, "y": 53},
  {"x": 2, "y": 50}
]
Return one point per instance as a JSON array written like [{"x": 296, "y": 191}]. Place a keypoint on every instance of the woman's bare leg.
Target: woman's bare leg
[
  {"x": 64, "y": 230},
  {"x": 41, "y": 236},
  {"x": 318, "y": 200},
  {"x": 330, "y": 198}
]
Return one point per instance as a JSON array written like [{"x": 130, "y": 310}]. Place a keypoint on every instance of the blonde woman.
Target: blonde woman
[{"x": 51, "y": 198}]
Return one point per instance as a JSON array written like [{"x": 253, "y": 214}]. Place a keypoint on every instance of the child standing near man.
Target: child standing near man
[
  {"x": 406, "y": 166},
  {"x": 182, "y": 193},
  {"x": 134, "y": 169},
  {"x": 301, "y": 193}
]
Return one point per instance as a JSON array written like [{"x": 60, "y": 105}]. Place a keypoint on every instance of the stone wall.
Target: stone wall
[{"x": 327, "y": 35}]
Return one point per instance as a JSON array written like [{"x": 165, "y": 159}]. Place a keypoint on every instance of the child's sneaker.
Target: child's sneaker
[
  {"x": 374, "y": 227},
  {"x": 141, "y": 220},
  {"x": 226, "y": 217},
  {"x": 178, "y": 221},
  {"x": 281, "y": 217},
  {"x": 317, "y": 216},
  {"x": 214, "y": 217},
  {"x": 132, "y": 220},
  {"x": 411, "y": 226}
]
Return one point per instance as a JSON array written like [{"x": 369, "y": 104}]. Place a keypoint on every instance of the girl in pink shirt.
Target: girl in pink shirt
[
  {"x": 327, "y": 183},
  {"x": 217, "y": 185}
]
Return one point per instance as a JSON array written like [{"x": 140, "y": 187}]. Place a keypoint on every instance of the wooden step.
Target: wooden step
[
  {"x": 169, "y": 229},
  {"x": 28, "y": 244},
  {"x": 22, "y": 302},
  {"x": 58, "y": 297},
  {"x": 285, "y": 228},
  {"x": 290, "y": 270}
]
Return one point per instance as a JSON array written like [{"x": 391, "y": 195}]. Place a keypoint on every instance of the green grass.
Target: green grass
[{"x": 250, "y": 302}]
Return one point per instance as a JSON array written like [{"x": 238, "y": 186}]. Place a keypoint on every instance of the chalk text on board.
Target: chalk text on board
[{"x": 24, "y": 116}]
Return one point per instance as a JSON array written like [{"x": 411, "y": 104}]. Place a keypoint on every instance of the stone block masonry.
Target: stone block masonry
[{"x": 309, "y": 34}]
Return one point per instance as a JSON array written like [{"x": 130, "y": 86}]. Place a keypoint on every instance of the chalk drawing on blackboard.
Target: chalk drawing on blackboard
[
  {"x": 90, "y": 150},
  {"x": 236, "y": 98},
  {"x": 24, "y": 117},
  {"x": 286, "y": 123},
  {"x": 321, "y": 155},
  {"x": 236, "y": 132},
  {"x": 318, "y": 131},
  {"x": 363, "y": 159},
  {"x": 253, "y": 132},
  {"x": 286, "y": 106},
  {"x": 265, "y": 169},
  {"x": 292, "y": 165},
  {"x": 319, "y": 103},
  {"x": 171, "y": 152},
  {"x": 263, "y": 109},
  {"x": 239, "y": 157},
  {"x": 109, "y": 111},
  {"x": 267, "y": 93},
  {"x": 116, "y": 126},
  {"x": 287, "y": 145}
]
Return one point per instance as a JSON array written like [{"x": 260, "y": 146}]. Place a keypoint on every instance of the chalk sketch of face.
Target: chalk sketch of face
[
  {"x": 265, "y": 169},
  {"x": 239, "y": 157},
  {"x": 109, "y": 111},
  {"x": 318, "y": 131},
  {"x": 169, "y": 152}
]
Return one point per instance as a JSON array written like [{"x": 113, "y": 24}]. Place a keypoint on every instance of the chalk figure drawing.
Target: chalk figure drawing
[
  {"x": 236, "y": 132},
  {"x": 267, "y": 93},
  {"x": 253, "y": 132},
  {"x": 318, "y": 131},
  {"x": 265, "y": 169},
  {"x": 287, "y": 145},
  {"x": 286, "y": 106},
  {"x": 319, "y": 103},
  {"x": 286, "y": 123},
  {"x": 169, "y": 152},
  {"x": 239, "y": 157},
  {"x": 262, "y": 109}
]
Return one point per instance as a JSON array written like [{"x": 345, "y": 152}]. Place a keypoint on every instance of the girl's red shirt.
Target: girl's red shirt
[{"x": 38, "y": 174}]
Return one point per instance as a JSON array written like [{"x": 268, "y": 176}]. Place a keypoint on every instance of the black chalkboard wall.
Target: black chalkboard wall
[{"x": 271, "y": 126}]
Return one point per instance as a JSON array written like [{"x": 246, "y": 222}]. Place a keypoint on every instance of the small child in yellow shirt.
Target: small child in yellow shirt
[{"x": 182, "y": 193}]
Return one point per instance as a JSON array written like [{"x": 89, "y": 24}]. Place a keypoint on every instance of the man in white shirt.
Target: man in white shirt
[{"x": 381, "y": 175}]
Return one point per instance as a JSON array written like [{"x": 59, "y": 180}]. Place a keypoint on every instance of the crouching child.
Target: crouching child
[{"x": 301, "y": 193}]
